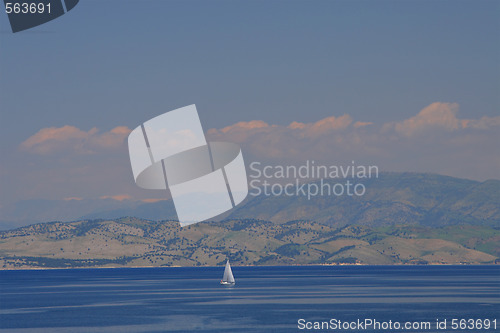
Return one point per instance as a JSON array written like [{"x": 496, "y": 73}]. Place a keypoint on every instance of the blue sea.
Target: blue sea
[{"x": 265, "y": 299}]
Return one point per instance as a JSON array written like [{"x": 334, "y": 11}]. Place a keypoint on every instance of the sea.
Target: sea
[{"x": 264, "y": 299}]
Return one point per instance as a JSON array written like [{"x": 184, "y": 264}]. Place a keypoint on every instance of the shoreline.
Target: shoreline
[{"x": 236, "y": 266}]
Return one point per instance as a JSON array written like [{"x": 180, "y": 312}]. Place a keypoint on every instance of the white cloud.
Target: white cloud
[
  {"x": 437, "y": 115},
  {"x": 481, "y": 123},
  {"x": 117, "y": 197},
  {"x": 440, "y": 117},
  {"x": 72, "y": 139},
  {"x": 322, "y": 126},
  {"x": 245, "y": 125}
]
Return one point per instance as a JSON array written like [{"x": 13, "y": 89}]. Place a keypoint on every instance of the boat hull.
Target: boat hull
[{"x": 227, "y": 284}]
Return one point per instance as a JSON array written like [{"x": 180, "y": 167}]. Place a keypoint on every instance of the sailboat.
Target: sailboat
[{"x": 228, "y": 278}]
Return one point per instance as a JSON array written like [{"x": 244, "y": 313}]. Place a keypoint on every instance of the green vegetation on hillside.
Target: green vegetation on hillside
[{"x": 136, "y": 242}]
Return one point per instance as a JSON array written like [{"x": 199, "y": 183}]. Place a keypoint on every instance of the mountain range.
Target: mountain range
[{"x": 390, "y": 199}]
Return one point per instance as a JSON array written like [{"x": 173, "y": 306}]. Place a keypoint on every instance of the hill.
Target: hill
[{"x": 137, "y": 242}]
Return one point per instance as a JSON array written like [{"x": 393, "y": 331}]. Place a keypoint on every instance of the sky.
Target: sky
[{"x": 406, "y": 85}]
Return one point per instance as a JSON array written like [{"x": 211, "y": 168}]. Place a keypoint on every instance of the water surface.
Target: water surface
[{"x": 265, "y": 299}]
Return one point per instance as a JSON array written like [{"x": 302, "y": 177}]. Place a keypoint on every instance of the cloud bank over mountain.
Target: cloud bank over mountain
[
  {"x": 436, "y": 140},
  {"x": 72, "y": 164}
]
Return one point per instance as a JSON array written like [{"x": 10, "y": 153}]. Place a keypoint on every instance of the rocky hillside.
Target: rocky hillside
[{"x": 137, "y": 242}]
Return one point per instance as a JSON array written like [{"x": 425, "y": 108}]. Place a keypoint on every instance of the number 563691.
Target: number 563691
[
  {"x": 473, "y": 324},
  {"x": 27, "y": 8}
]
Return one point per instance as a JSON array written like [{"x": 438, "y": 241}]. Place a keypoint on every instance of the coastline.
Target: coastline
[{"x": 238, "y": 266}]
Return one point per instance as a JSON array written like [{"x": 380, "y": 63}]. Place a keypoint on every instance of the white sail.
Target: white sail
[{"x": 228, "y": 274}]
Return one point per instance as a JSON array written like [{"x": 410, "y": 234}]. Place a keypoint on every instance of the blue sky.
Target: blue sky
[{"x": 118, "y": 63}]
